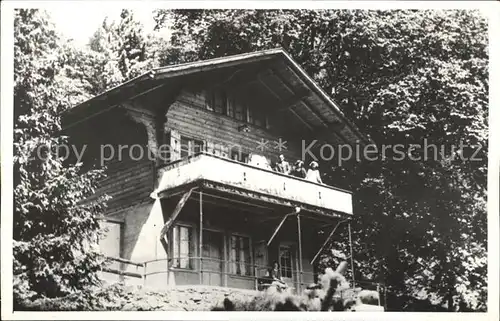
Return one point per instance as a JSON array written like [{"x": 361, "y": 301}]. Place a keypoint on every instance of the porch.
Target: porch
[
  {"x": 148, "y": 279},
  {"x": 225, "y": 223}
]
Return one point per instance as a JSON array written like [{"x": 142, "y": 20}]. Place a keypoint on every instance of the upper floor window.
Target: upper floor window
[
  {"x": 216, "y": 100},
  {"x": 239, "y": 156},
  {"x": 240, "y": 111},
  {"x": 219, "y": 101},
  {"x": 190, "y": 146}
]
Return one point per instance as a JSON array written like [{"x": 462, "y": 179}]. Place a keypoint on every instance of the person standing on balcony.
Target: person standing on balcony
[
  {"x": 299, "y": 170},
  {"x": 313, "y": 173},
  {"x": 282, "y": 166}
]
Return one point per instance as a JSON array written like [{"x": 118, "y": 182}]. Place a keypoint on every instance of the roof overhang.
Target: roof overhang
[{"x": 316, "y": 110}]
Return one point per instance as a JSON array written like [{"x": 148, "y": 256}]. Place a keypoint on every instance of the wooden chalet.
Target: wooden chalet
[{"x": 195, "y": 208}]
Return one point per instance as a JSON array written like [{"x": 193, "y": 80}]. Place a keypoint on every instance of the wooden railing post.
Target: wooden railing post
[
  {"x": 200, "y": 249},
  {"x": 300, "y": 252},
  {"x": 352, "y": 259},
  {"x": 256, "y": 283}
]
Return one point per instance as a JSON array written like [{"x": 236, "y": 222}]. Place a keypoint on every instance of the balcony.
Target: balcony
[{"x": 254, "y": 182}]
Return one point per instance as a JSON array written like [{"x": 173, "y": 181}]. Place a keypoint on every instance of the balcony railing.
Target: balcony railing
[{"x": 235, "y": 174}]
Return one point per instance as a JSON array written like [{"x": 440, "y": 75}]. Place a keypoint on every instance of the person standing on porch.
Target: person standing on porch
[
  {"x": 282, "y": 166},
  {"x": 313, "y": 173}
]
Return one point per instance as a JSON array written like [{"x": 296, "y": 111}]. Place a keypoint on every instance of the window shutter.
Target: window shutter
[
  {"x": 233, "y": 255},
  {"x": 184, "y": 247},
  {"x": 249, "y": 115},
  {"x": 175, "y": 145},
  {"x": 217, "y": 149},
  {"x": 239, "y": 111},
  {"x": 210, "y": 147},
  {"x": 175, "y": 246},
  {"x": 190, "y": 147},
  {"x": 224, "y": 151},
  {"x": 209, "y": 100},
  {"x": 230, "y": 107}
]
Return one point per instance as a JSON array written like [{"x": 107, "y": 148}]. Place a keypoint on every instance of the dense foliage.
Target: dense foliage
[
  {"x": 403, "y": 76},
  {"x": 126, "y": 50},
  {"x": 55, "y": 232}
]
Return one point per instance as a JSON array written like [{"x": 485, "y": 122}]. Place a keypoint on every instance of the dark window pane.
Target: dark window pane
[
  {"x": 230, "y": 107},
  {"x": 259, "y": 117},
  {"x": 250, "y": 118},
  {"x": 239, "y": 111}
]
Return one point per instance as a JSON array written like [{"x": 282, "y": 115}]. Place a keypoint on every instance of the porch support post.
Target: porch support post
[
  {"x": 300, "y": 252},
  {"x": 352, "y": 259},
  {"x": 200, "y": 249}
]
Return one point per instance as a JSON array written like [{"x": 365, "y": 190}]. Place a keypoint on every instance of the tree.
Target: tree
[
  {"x": 124, "y": 50},
  {"x": 55, "y": 229},
  {"x": 403, "y": 76}
]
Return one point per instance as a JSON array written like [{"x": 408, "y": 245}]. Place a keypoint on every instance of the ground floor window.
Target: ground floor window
[
  {"x": 182, "y": 247},
  {"x": 240, "y": 256},
  {"x": 286, "y": 261}
]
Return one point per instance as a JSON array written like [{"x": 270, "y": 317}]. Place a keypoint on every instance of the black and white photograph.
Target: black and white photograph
[{"x": 302, "y": 158}]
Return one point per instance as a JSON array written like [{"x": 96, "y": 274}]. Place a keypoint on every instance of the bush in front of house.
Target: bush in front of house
[{"x": 324, "y": 296}]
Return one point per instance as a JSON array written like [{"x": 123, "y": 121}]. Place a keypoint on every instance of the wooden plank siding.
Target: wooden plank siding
[
  {"x": 128, "y": 182},
  {"x": 189, "y": 117}
]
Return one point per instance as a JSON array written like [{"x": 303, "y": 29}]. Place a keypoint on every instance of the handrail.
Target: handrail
[
  {"x": 173, "y": 164},
  {"x": 125, "y": 273},
  {"x": 122, "y": 260},
  {"x": 252, "y": 268},
  {"x": 248, "y": 264}
]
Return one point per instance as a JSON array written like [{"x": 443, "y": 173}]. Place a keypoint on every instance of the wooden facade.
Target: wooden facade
[{"x": 197, "y": 210}]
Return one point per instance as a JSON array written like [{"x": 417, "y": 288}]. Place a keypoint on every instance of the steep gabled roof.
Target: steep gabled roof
[{"x": 317, "y": 111}]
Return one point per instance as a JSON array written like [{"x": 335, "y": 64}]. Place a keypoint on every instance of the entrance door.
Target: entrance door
[
  {"x": 287, "y": 263},
  {"x": 213, "y": 247}
]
